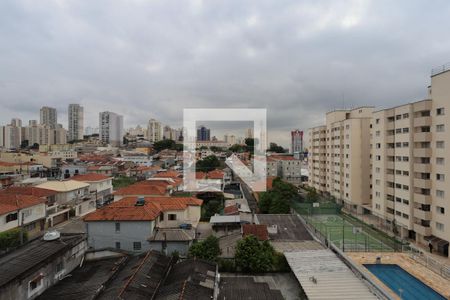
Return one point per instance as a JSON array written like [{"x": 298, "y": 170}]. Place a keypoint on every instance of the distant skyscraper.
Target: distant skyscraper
[
  {"x": 16, "y": 122},
  {"x": 11, "y": 135},
  {"x": 111, "y": 128},
  {"x": 76, "y": 118},
  {"x": 249, "y": 133},
  {"x": 154, "y": 130},
  {"x": 49, "y": 117},
  {"x": 296, "y": 142},
  {"x": 203, "y": 133}
]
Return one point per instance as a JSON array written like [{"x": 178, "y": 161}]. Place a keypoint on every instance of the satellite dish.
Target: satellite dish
[{"x": 51, "y": 235}]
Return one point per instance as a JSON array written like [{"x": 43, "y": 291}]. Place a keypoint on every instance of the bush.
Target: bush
[
  {"x": 254, "y": 256},
  {"x": 208, "y": 249},
  {"x": 280, "y": 263},
  {"x": 227, "y": 265},
  {"x": 11, "y": 238}
]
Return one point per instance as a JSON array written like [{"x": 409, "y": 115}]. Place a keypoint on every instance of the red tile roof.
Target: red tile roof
[
  {"x": 216, "y": 174},
  {"x": 31, "y": 191},
  {"x": 91, "y": 177},
  {"x": 200, "y": 175},
  {"x": 7, "y": 164},
  {"x": 142, "y": 189},
  {"x": 231, "y": 210},
  {"x": 13, "y": 202},
  {"x": 260, "y": 231},
  {"x": 167, "y": 174},
  {"x": 281, "y": 157},
  {"x": 125, "y": 209}
]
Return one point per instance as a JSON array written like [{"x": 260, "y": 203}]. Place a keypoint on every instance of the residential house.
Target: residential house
[
  {"x": 25, "y": 211},
  {"x": 99, "y": 185},
  {"x": 72, "y": 194},
  {"x": 129, "y": 223},
  {"x": 30, "y": 270}
]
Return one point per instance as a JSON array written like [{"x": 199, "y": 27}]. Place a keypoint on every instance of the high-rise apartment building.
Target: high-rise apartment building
[
  {"x": 339, "y": 163},
  {"x": 154, "y": 131},
  {"x": 76, "y": 120},
  {"x": 11, "y": 135},
  {"x": 111, "y": 128},
  {"x": 296, "y": 142},
  {"x": 403, "y": 176},
  {"x": 203, "y": 133},
  {"x": 48, "y": 117}
]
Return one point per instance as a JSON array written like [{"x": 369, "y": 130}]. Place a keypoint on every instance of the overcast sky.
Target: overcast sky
[{"x": 150, "y": 59}]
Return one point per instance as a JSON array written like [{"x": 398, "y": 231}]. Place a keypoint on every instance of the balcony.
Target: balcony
[
  {"x": 423, "y": 230},
  {"x": 422, "y": 137},
  {"x": 422, "y": 183},
  {"x": 422, "y": 152},
  {"x": 390, "y": 138},
  {"x": 390, "y": 204},
  {"x": 422, "y": 168},
  {"x": 390, "y": 190},
  {"x": 390, "y": 177},
  {"x": 422, "y": 199},
  {"x": 422, "y": 214},
  {"x": 422, "y": 121},
  {"x": 390, "y": 151}
]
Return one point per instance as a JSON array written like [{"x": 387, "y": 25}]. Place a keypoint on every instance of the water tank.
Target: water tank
[{"x": 52, "y": 235}]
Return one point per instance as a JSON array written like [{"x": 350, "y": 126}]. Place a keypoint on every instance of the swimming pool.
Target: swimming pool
[{"x": 402, "y": 283}]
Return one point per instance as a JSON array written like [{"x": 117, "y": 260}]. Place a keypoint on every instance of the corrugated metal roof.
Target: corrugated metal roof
[{"x": 324, "y": 276}]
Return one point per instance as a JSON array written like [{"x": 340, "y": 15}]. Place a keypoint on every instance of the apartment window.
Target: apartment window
[
  {"x": 440, "y": 144},
  {"x": 440, "y": 210},
  {"x": 440, "y": 128},
  {"x": 377, "y": 194},
  {"x": 405, "y": 116},
  {"x": 377, "y": 206},
  {"x": 377, "y": 182},
  {"x": 406, "y": 188},
  {"x": 378, "y": 145},
  {"x": 405, "y": 130},
  {"x": 137, "y": 246},
  {"x": 405, "y": 216},
  {"x": 172, "y": 217},
  {"x": 398, "y": 130},
  {"x": 398, "y": 117},
  {"x": 405, "y": 144},
  {"x": 117, "y": 227},
  {"x": 117, "y": 245},
  {"x": 405, "y": 173},
  {"x": 440, "y": 111},
  {"x": 11, "y": 217},
  {"x": 405, "y": 158},
  {"x": 439, "y": 226},
  {"x": 440, "y": 177},
  {"x": 377, "y": 133},
  {"x": 405, "y": 202},
  {"x": 378, "y": 157},
  {"x": 440, "y": 194},
  {"x": 377, "y": 121},
  {"x": 440, "y": 160},
  {"x": 377, "y": 170},
  {"x": 35, "y": 284}
]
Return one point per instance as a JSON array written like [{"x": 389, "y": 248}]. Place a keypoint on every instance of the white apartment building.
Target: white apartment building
[
  {"x": 154, "y": 131},
  {"x": 339, "y": 158},
  {"x": 111, "y": 128},
  {"x": 48, "y": 117},
  {"x": 11, "y": 135},
  {"x": 76, "y": 121},
  {"x": 396, "y": 167}
]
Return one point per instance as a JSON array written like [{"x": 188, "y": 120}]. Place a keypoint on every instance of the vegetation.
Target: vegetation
[
  {"x": 167, "y": 144},
  {"x": 212, "y": 204},
  {"x": 207, "y": 164},
  {"x": 236, "y": 148},
  {"x": 275, "y": 148},
  {"x": 207, "y": 249},
  {"x": 249, "y": 145},
  {"x": 11, "y": 238},
  {"x": 122, "y": 181},
  {"x": 254, "y": 256},
  {"x": 312, "y": 196},
  {"x": 278, "y": 200}
]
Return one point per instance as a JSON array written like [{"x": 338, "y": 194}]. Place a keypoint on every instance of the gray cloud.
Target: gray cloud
[{"x": 150, "y": 59}]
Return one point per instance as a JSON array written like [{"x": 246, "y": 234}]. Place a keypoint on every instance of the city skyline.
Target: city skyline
[{"x": 239, "y": 58}]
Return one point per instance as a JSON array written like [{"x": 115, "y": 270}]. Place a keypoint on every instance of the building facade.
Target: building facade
[
  {"x": 203, "y": 134},
  {"x": 154, "y": 131},
  {"x": 111, "y": 128},
  {"x": 76, "y": 122},
  {"x": 297, "y": 142},
  {"x": 48, "y": 117}
]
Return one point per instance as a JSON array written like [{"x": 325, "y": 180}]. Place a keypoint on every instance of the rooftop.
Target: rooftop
[
  {"x": 324, "y": 276},
  {"x": 34, "y": 254},
  {"x": 14, "y": 202},
  {"x": 91, "y": 177},
  {"x": 189, "y": 279},
  {"x": 126, "y": 209},
  {"x": 63, "y": 185},
  {"x": 28, "y": 190},
  {"x": 286, "y": 227},
  {"x": 246, "y": 287}
]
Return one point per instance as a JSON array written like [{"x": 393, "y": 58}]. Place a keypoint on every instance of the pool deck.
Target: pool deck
[{"x": 430, "y": 278}]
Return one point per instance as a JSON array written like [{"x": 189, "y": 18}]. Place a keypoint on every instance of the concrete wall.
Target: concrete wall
[{"x": 103, "y": 234}]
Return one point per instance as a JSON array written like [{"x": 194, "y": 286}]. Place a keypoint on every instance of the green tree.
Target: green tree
[
  {"x": 163, "y": 144},
  {"x": 249, "y": 145},
  {"x": 207, "y": 164},
  {"x": 273, "y": 147},
  {"x": 236, "y": 148},
  {"x": 253, "y": 255},
  {"x": 312, "y": 196},
  {"x": 207, "y": 249}
]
